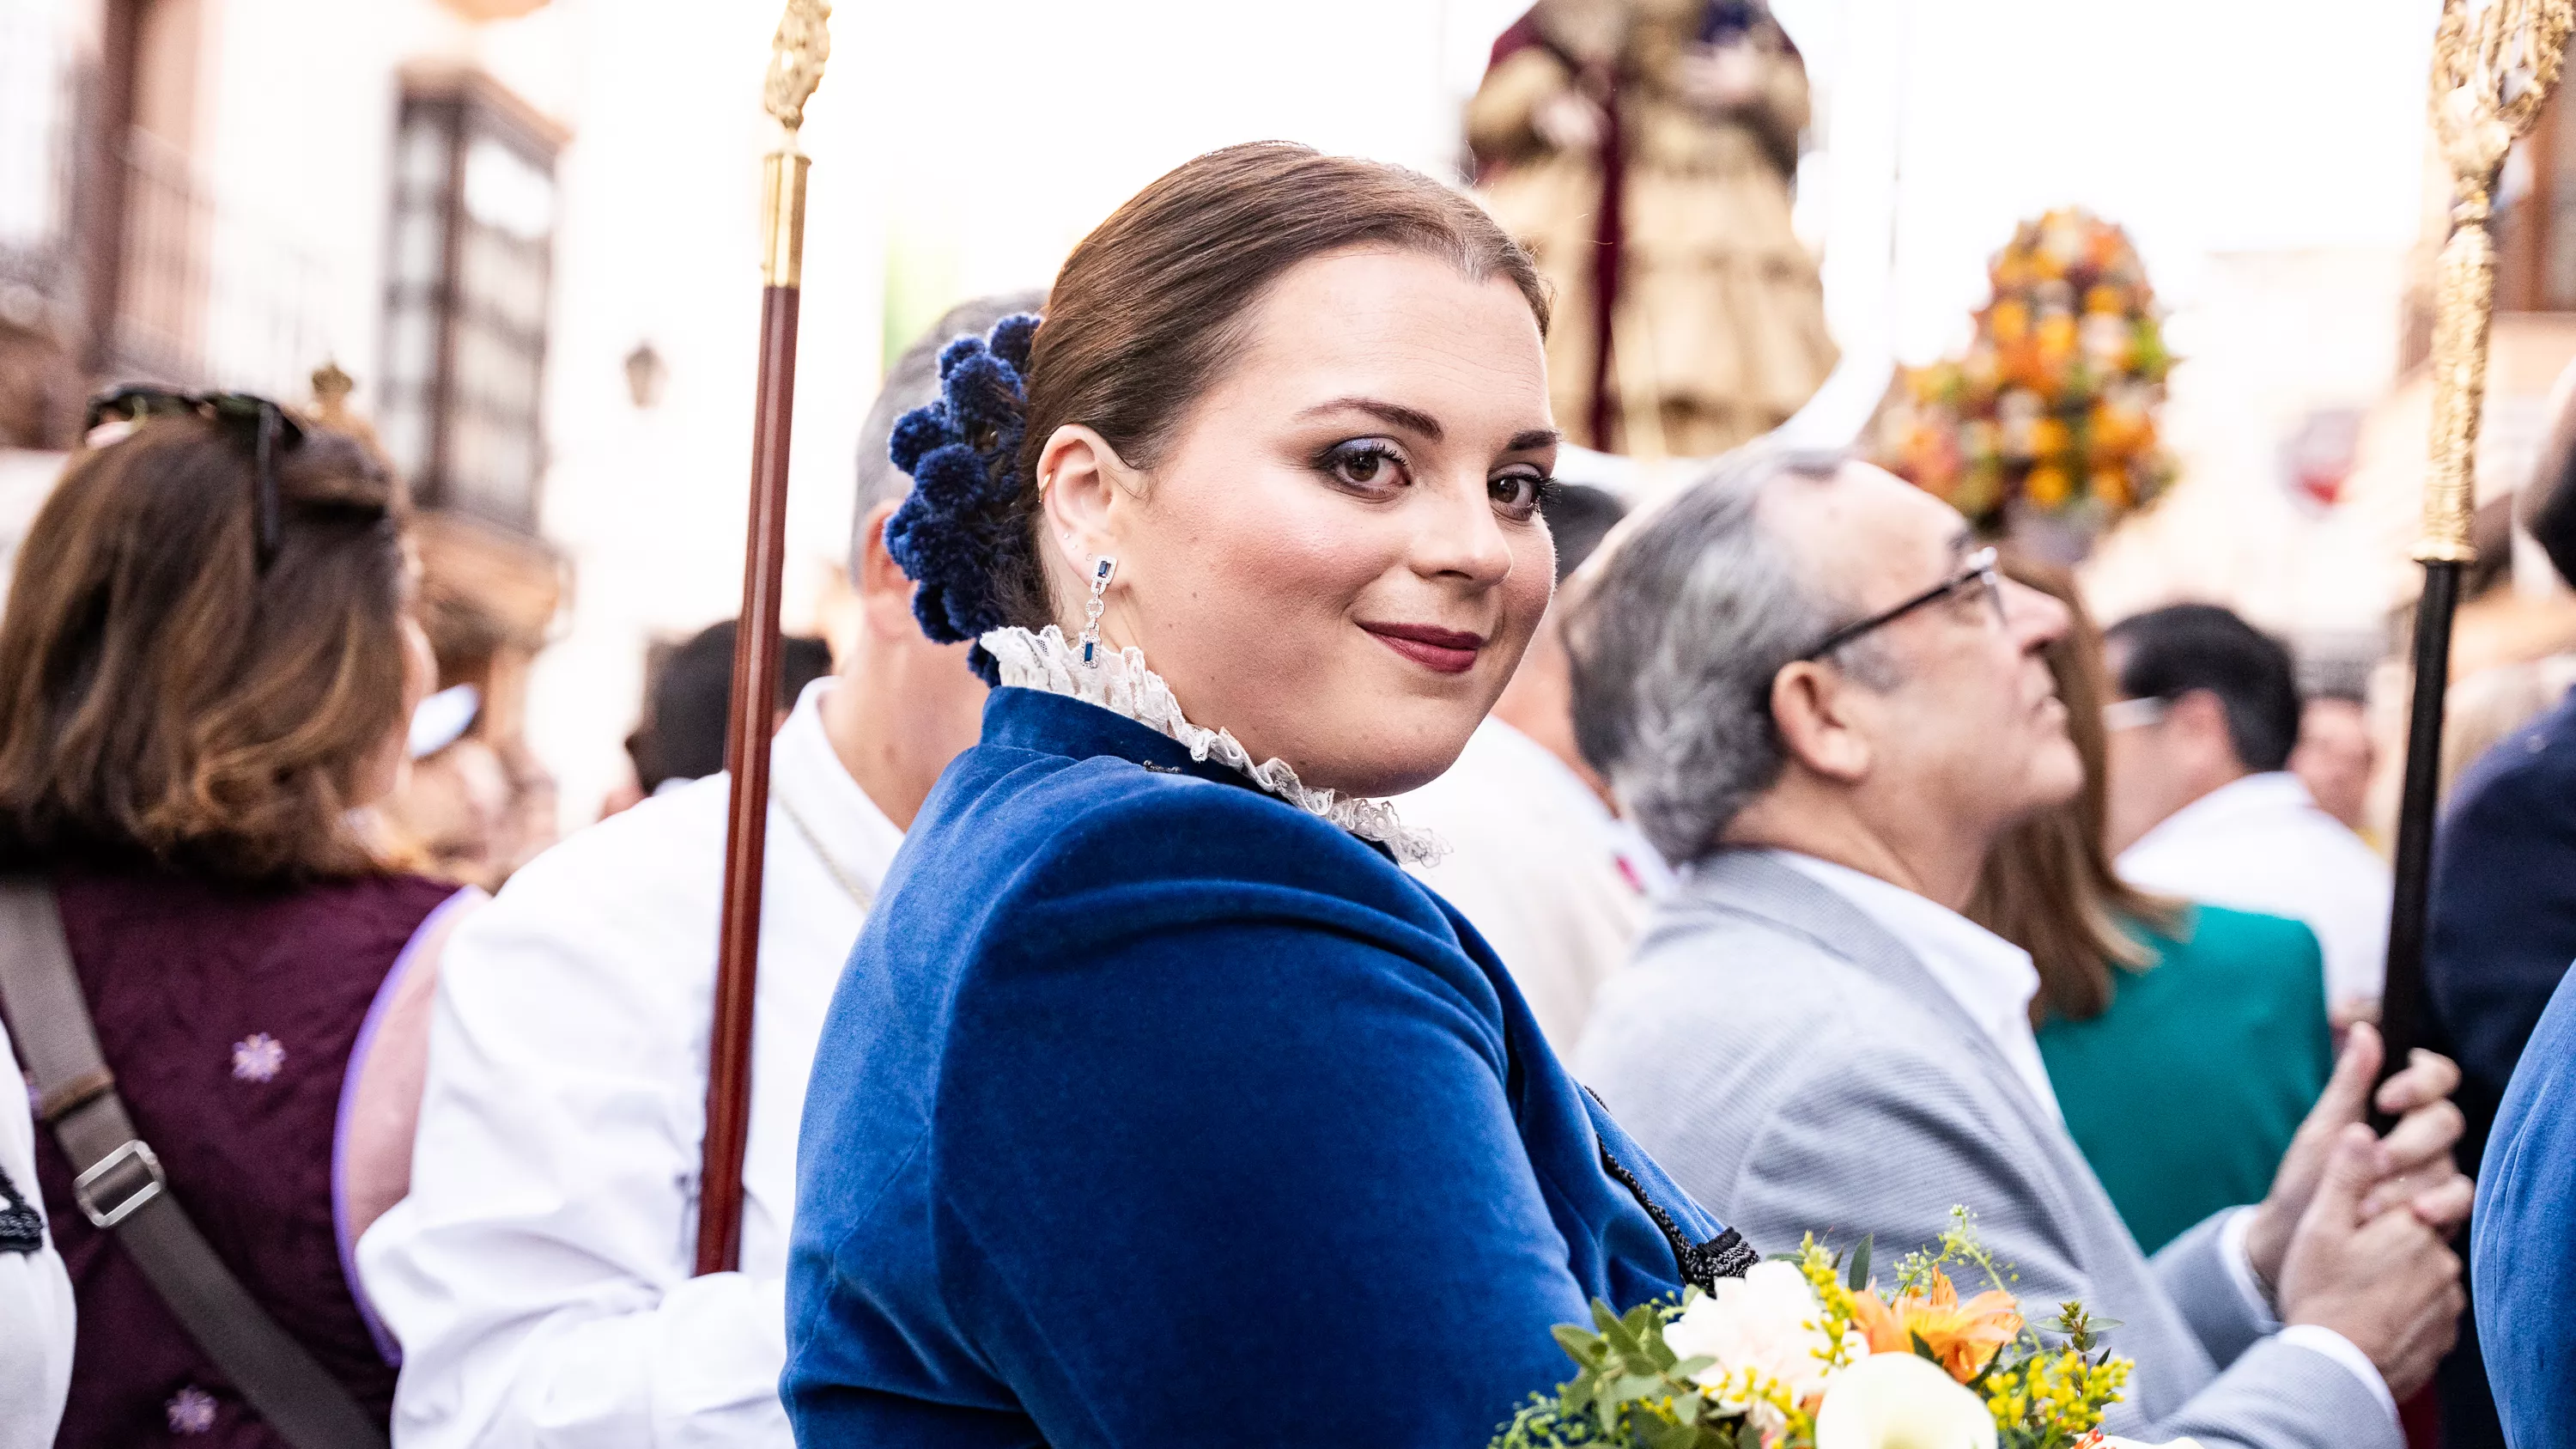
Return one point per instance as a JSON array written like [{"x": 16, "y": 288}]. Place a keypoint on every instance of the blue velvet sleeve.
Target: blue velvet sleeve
[
  {"x": 1226, "y": 1153},
  {"x": 2524, "y": 1253}
]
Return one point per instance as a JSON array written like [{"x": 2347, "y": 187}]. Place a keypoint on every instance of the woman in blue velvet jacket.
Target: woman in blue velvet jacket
[{"x": 1158, "y": 1106}]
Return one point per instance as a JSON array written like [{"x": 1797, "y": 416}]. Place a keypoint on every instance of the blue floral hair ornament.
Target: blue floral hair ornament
[{"x": 963, "y": 453}]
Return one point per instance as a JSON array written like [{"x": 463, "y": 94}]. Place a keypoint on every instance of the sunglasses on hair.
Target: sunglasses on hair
[
  {"x": 254, "y": 420},
  {"x": 2131, "y": 714},
  {"x": 1977, "y": 571}
]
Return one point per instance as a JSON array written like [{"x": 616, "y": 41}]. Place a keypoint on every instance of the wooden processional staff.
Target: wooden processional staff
[
  {"x": 795, "y": 68},
  {"x": 2494, "y": 62}
]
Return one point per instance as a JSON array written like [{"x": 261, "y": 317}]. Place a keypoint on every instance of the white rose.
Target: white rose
[
  {"x": 1768, "y": 1322},
  {"x": 1899, "y": 1401}
]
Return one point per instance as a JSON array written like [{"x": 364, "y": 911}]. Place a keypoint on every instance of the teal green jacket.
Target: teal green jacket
[{"x": 2185, "y": 1093}]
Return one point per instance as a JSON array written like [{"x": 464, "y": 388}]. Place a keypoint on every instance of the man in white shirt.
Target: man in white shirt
[
  {"x": 538, "y": 1276},
  {"x": 1819, "y": 699},
  {"x": 2202, "y": 801},
  {"x": 1537, "y": 863}
]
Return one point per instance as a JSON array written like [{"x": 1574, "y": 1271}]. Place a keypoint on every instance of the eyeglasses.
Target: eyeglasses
[
  {"x": 1978, "y": 571},
  {"x": 2131, "y": 714},
  {"x": 268, "y": 429}
]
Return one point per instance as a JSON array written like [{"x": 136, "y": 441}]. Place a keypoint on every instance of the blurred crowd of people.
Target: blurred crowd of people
[
  {"x": 1852, "y": 862},
  {"x": 265, "y": 977}
]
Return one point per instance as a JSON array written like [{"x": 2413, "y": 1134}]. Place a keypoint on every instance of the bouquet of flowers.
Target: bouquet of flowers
[
  {"x": 2052, "y": 411},
  {"x": 1806, "y": 1352}
]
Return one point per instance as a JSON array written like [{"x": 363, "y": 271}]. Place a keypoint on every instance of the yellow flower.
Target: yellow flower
[
  {"x": 2047, "y": 487},
  {"x": 2057, "y": 337}
]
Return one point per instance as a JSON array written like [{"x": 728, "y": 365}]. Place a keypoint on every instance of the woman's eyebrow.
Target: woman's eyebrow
[
  {"x": 1417, "y": 421},
  {"x": 1410, "y": 419}
]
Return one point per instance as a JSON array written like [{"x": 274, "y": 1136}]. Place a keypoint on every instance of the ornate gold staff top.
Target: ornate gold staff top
[
  {"x": 795, "y": 68},
  {"x": 2493, "y": 64},
  {"x": 796, "y": 56},
  {"x": 2492, "y": 70}
]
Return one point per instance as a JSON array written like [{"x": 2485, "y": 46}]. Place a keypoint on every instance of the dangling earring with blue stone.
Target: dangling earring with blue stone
[{"x": 1101, "y": 570}]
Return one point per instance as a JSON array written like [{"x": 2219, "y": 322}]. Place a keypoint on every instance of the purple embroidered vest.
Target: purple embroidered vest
[{"x": 229, "y": 1017}]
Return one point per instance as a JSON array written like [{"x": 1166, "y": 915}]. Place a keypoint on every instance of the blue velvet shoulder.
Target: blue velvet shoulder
[
  {"x": 1092, "y": 827},
  {"x": 2524, "y": 1248},
  {"x": 1111, "y": 996}
]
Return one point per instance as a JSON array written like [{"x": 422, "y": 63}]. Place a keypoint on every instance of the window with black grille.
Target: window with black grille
[{"x": 468, "y": 283}]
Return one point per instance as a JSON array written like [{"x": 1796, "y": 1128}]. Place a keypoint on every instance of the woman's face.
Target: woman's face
[{"x": 1338, "y": 554}]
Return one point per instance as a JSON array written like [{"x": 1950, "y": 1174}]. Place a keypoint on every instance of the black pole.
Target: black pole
[{"x": 2405, "y": 1019}]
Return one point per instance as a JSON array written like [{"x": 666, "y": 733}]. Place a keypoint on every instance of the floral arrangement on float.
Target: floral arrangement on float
[
  {"x": 1806, "y": 1352},
  {"x": 2048, "y": 423}
]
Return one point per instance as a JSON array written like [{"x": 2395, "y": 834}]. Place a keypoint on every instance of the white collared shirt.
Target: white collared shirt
[
  {"x": 2261, "y": 844},
  {"x": 1540, "y": 867},
  {"x": 35, "y": 1293},
  {"x": 539, "y": 1274},
  {"x": 1993, "y": 981},
  {"x": 1990, "y": 978}
]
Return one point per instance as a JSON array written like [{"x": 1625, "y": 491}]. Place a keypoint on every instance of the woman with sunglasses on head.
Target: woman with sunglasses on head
[
  {"x": 1158, "y": 1106},
  {"x": 208, "y": 665}
]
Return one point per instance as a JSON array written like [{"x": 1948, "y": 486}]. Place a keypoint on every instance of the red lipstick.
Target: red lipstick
[{"x": 1447, "y": 651}]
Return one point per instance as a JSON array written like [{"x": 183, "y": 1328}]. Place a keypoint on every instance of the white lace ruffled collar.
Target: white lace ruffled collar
[{"x": 1122, "y": 684}]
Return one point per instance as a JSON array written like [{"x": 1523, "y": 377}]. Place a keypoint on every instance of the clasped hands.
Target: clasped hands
[{"x": 2355, "y": 1234}]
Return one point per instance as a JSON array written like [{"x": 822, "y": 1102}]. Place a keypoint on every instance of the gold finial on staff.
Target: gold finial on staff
[
  {"x": 796, "y": 56},
  {"x": 2493, "y": 66}
]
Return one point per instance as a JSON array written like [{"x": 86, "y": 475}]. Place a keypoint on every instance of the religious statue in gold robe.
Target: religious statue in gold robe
[{"x": 1643, "y": 150}]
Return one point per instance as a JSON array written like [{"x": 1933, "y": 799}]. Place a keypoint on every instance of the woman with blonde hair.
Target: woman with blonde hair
[{"x": 2185, "y": 1043}]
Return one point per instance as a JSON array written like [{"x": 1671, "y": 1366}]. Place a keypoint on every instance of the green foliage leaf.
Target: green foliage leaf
[
  {"x": 1624, "y": 1341},
  {"x": 1669, "y": 1436},
  {"x": 1856, "y": 1276},
  {"x": 1632, "y": 1388}
]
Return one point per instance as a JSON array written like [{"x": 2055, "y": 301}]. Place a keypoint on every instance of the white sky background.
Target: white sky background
[{"x": 2204, "y": 126}]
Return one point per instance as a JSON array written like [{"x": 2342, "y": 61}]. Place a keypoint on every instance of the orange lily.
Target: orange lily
[{"x": 1962, "y": 1336}]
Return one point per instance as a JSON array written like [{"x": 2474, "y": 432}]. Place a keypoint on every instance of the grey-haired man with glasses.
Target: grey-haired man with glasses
[{"x": 1818, "y": 698}]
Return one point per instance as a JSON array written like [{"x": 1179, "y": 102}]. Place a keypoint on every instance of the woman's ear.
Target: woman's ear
[
  {"x": 1083, "y": 489},
  {"x": 2198, "y": 722}
]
